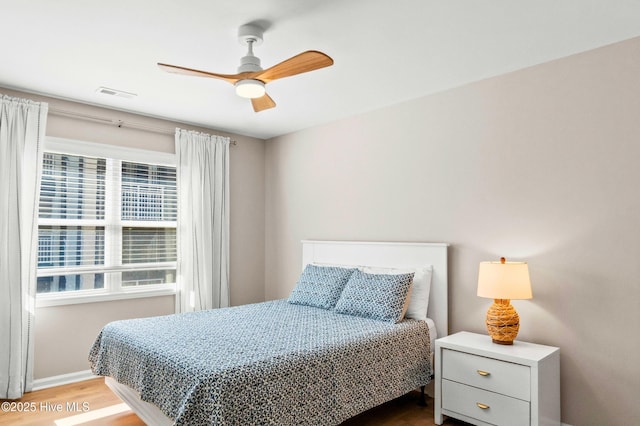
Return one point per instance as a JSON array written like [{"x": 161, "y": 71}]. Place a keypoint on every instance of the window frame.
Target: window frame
[{"x": 110, "y": 291}]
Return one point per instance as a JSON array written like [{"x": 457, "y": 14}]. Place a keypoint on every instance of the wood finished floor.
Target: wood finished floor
[{"x": 403, "y": 411}]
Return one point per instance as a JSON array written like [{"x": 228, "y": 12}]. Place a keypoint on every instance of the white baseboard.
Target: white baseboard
[{"x": 63, "y": 379}]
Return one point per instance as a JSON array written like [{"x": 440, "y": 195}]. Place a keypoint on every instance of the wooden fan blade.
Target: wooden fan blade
[
  {"x": 231, "y": 78},
  {"x": 262, "y": 103},
  {"x": 304, "y": 62}
]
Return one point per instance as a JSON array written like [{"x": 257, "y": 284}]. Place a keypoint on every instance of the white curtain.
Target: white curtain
[
  {"x": 203, "y": 221},
  {"x": 22, "y": 125}
]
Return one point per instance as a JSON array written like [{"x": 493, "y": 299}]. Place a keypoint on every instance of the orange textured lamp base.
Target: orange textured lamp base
[{"x": 503, "y": 322}]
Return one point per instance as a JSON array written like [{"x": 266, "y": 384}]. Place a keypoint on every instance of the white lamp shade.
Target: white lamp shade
[
  {"x": 509, "y": 280},
  {"x": 250, "y": 88}
]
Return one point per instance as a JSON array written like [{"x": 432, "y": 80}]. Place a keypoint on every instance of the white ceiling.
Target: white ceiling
[{"x": 385, "y": 51}]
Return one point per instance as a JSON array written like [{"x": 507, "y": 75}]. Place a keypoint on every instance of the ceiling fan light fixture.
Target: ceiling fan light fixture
[
  {"x": 250, "y": 88},
  {"x": 250, "y": 80}
]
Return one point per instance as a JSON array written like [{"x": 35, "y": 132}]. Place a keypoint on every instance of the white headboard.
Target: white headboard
[{"x": 390, "y": 255}]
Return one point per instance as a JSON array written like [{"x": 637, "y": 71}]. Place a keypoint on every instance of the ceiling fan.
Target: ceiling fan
[{"x": 251, "y": 78}]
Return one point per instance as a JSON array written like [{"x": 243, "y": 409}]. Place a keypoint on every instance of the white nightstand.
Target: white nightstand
[{"x": 484, "y": 383}]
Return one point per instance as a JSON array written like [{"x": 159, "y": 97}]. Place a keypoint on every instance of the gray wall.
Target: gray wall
[
  {"x": 538, "y": 165},
  {"x": 64, "y": 334}
]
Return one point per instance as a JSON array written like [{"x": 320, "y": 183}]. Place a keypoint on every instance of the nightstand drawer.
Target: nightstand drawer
[
  {"x": 491, "y": 374},
  {"x": 483, "y": 405}
]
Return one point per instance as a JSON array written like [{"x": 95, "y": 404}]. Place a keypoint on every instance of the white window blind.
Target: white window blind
[{"x": 105, "y": 224}]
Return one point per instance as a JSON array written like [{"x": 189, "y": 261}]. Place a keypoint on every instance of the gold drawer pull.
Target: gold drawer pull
[
  {"x": 481, "y": 405},
  {"x": 483, "y": 373}
]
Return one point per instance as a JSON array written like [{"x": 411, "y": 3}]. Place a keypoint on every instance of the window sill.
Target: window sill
[{"x": 45, "y": 301}]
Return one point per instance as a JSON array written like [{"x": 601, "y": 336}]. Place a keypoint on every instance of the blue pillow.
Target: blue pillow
[
  {"x": 376, "y": 296},
  {"x": 320, "y": 286}
]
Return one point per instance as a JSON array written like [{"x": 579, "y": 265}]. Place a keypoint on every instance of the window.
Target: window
[{"x": 107, "y": 222}]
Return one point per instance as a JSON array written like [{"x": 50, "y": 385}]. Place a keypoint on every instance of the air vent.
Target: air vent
[{"x": 114, "y": 92}]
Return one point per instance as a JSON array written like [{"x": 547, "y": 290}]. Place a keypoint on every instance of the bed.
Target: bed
[{"x": 283, "y": 361}]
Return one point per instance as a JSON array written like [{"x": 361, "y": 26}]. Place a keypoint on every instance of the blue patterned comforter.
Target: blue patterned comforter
[{"x": 265, "y": 363}]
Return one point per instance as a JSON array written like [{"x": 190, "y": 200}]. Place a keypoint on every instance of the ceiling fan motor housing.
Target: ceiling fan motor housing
[{"x": 249, "y": 63}]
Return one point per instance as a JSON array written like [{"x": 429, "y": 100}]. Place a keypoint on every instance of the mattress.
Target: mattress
[
  {"x": 433, "y": 334},
  {"x": 266, "y": 363}
]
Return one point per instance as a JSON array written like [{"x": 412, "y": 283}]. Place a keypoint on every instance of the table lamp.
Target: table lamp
[{"x": 503, "y": 281}]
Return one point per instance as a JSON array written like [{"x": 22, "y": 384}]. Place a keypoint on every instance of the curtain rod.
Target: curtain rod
[{"x": 117, "y": 123}]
